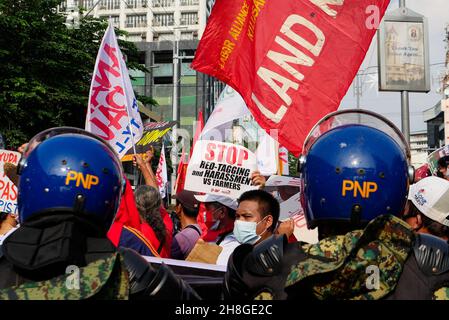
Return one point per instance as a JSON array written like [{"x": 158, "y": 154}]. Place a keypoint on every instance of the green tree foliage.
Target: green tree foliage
[{"x": 46, "y": 68}]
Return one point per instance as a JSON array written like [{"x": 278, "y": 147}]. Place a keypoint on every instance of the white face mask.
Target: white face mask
[{"x": 245, "y": 231}]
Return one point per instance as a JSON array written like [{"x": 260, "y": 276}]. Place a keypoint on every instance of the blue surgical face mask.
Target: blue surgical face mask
[{"x": 245, "y": 231}]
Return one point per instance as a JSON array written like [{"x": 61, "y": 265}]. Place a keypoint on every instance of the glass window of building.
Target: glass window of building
[
  {"x": 188, "y": 94},
  {"x": 189, "y": 2},
  {"x": 163, "y": 3},
  {"x": 108, "y": 4},
  {"x": 187, "y": 35},
  {"x": 115, "y": 20},
  {"x": 189, "y": 18},
  {"x": 138, "y": 81},
  {"x": 136, "y": 4},
  {"x": 165, "y": 36},
  {"x": 134, "y": 37},
  {"x": 136, "y": 21},
  {"x": 164, "y": 19},
  {"x": 162, "y": 88}
]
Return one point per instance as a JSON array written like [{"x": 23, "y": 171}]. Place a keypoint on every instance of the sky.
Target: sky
[{"x": 389, "y": 103}]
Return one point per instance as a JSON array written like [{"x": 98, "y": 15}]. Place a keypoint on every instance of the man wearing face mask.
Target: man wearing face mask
[
  {"x": 256, "y": 217},
  {"x": 221, "y": 226},
  {"x": 219, "y": 216}
]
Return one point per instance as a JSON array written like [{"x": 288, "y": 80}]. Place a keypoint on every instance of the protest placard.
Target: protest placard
[
  {"x": 276, "y": 180},
  {"x": 220, "y": 168},
  {"x": 290, "y": 205},
  {"x": 152, "y": 135},
  {"x": 8, "y": 190},
  {"x": 432, "y": 159}
]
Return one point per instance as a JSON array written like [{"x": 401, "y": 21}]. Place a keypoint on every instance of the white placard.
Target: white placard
[
  {"x": 8, "y": 190},
  {"x": 220, "y": 168}
]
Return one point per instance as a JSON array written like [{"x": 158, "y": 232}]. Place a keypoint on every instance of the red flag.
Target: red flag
[
  {"x": 292, "y": 61},
  {"x": 127, "y": 215},
  {"x": 181, "y": 174}
]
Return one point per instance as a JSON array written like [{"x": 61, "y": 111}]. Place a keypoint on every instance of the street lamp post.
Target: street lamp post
[{"x": 405, "y": 106}]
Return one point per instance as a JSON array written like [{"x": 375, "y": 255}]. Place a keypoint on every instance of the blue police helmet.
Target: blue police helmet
[
  {"x": 354, "y": 167},
  {"x": 70, "y": 170}
]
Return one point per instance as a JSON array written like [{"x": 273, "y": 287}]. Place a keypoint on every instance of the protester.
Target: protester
[
  {"x": 219, "y": 212},
  {"x": 426, "y": 212},
  {"x": 443, "y": 164},
  {"x": 428, "y": 207},
  {"x": 150, "y": 180},
  {"x": 354, "y": 198},
  {"x": 256, "y": 216},
  {"x": 8, "y": 224},
  {"x": 69, "y": 191},
  {"x": 220, "y": 231},
  {"x": 216, "y": 229},
  {"x": 187, "y": 211},
  {"x": 147, "y": 202}
]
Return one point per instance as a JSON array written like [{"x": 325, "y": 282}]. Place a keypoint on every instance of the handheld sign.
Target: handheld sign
[
  {"x": 433, "y": 158},
  {"x": 8, "y": 190},
  {"x": 289, "y": 189},
  {"x": 220, "y": 168}
]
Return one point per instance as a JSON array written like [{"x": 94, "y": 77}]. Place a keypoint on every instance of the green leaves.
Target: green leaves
[{"x": 46, "y": 68}]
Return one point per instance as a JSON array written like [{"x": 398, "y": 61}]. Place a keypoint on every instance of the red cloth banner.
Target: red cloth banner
[{"x": 292, "y": 61}]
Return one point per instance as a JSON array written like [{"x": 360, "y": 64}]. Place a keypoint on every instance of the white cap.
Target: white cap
[
  {"x": 226, "y": 201},
  {"x": 431, "y": 196}
]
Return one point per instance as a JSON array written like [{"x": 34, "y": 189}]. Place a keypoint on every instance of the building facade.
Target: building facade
[
  {"x": 148, "y": 20},
  {"x": 418, "y": 148}
]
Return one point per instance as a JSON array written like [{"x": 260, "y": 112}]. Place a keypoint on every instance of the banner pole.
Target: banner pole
[{"x": 135, "y": 173}]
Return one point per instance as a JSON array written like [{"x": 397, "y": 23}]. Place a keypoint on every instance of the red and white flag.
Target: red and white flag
[
  {"x": 181, "y": 173},
  {"x": 113, "y": 113},
  {"x": 161, "y": 173},
  {"x": 292, "y": 61},
  {"x": 283, "y": 161}
]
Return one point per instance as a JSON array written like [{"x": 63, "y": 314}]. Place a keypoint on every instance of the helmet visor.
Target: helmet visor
[{"x": 356, "y": 117}]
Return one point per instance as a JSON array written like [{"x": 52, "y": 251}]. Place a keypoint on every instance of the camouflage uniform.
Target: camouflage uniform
[
  {"x": 337, "y": 267},
  {"x": 105, "y": 279}
]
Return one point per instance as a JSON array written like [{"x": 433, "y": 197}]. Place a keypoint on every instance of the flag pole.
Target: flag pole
[{"x": 127, "y": 113}]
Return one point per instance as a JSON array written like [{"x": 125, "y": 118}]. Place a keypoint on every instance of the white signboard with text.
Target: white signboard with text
[
  {"x": 290, "y": 208},
  {"x": 220, "y": 168},
  {"x": 8, "y": 190}
]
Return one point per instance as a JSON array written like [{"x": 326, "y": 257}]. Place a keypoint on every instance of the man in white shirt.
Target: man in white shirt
[{"x": 222, "y": 210}]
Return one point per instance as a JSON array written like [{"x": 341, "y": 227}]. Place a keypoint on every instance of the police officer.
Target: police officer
[
  {"x": 69, "y": 190},
  {"x": 355, "y": 176}
]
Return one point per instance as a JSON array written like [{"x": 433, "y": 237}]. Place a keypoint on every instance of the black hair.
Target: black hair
[
  {"x": 443, "y": 162},
  {"x": 3, "y": 216},
  {"x": 192, "y": 213},
  {"x": 267, "y": 204},
  {"x": 435, "y": 228},
  {"x": 148, "y": 202}
]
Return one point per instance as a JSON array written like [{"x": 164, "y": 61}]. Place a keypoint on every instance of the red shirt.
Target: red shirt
[{"x": 149, "y": 233}]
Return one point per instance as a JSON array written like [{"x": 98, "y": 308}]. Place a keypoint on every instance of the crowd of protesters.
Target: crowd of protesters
[{"x": 212, "y": 229}]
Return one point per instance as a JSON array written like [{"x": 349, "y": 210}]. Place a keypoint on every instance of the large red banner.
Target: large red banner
[{"x": 292, "y": 61}]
